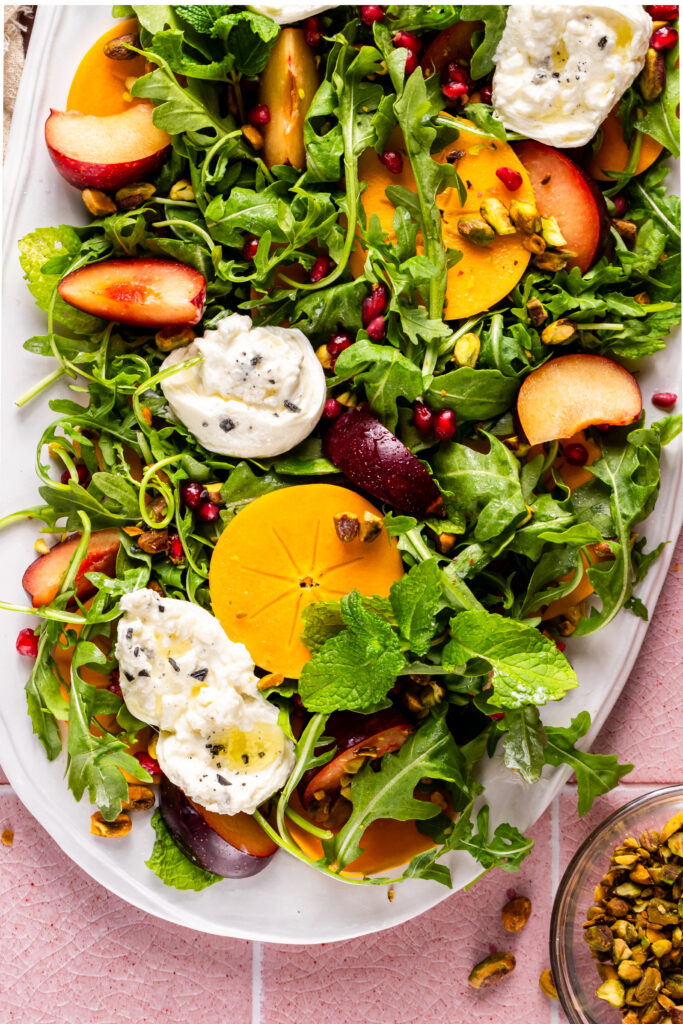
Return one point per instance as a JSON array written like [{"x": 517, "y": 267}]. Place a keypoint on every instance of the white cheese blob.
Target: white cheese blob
[
  {"x": 257, "y": 392},
  {"x": 287, "y": 14},
  {"x": 560, "y": 70},
  {"x": 219, "y": 741}
]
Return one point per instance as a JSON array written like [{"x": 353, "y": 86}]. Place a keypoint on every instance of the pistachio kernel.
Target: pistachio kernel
[
  {"x": 98, "y": 203},
  {"x": 491, "y": 970},
  {"x": 170, "y": 338},
  {"x": 466, "y": 350},
  {"x": 497, "y": 216},
  {"x": 547, "y": 985},
  {"x": 182, "y": 190},
  {"x": 550, "y": 230},
  {"x": 560, "y": 332},
  {"x": 516, "y": 913},
  {"x": 117, "y": 49},
  {"x": 129, "y": 197},
  {"x": 476, "y": 231},
  {"x": 116, "y": 829}
]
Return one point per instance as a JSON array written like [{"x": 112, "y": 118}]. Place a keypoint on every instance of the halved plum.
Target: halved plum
[
  {"x": 231, "y": 845},
  {"x": 355, "y": 734},
  {"x": 377, "y": 462},
  {"x": 144, "y": 292},
  {"x": 453, "y": 44},
  {"x": 43, "y": 577},
  {"x": 564, "y": 191},
  {"x": 106, "y": 152}
]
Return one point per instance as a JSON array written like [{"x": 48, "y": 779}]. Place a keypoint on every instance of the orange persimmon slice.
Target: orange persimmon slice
[
  {"x": 486, "y": 273},
  {"x": 99, "y": 85},
  {"x": 613, "y": 154},
  {"x": 282, "y": 553}
]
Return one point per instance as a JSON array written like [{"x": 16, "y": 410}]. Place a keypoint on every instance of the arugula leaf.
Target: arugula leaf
[
  {"x": 415, "y": 599},
  {"x": 386, "y": 374},
  {"x": 425, "y": 17},
  {"x": 472, "y": 394},
  {"x": 243, "y": 485},
  {"x": 527, "y": 667},
  {"x": 250, "y": 37},
  {"x": 595, "y": 773},
  {"x": 661, "y": 117},
  {"x": 171, "y": 865},
  {"x": 524, "y": 742},
  {"x": 431, "y": 752},
  {"x": 355, "y": 669},
  {"x": 494, "y": 17}
]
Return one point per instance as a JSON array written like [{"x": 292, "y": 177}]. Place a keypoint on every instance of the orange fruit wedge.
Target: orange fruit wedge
[
  {"x": 282, "y": 553},
  {"x": 99, "y": 85}
]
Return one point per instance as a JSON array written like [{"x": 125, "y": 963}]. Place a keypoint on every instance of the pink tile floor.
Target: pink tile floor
[{"x": 71, "y": 953}]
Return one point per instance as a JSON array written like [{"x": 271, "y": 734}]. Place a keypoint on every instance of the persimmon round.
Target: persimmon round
[
  {"x": 613, "y": 154},
  {"x": 282, "y": 553},
  {"x": 486, "y": 273},
  {"x": 99, "y": 85}
]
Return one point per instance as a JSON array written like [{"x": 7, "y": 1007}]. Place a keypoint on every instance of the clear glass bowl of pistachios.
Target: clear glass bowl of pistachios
[{"x": 616, "y": 932}]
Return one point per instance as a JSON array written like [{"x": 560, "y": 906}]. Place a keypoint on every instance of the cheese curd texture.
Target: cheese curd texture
[
  {"x": 287, "y": 14},
  {"x": 257, "y": 392},
  {"x": 219, "y": 740},
  {"x": 560, "y": 70}
]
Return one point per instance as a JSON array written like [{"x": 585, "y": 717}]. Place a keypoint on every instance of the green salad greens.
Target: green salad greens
[{"x": 464, "y": 646}]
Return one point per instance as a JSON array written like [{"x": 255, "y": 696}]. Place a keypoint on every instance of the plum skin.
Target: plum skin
[{"x": 199, "y": 842}]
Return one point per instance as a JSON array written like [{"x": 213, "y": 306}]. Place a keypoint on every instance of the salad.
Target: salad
[{"x": 355, "y": 440}]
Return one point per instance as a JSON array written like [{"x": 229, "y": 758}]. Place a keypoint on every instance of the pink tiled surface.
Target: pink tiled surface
[{"x": 70, "y": 953}]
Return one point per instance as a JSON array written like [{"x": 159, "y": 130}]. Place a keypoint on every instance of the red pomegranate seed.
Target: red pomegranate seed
[
  {"x": 445, "y": 424},
  {"x": 392, "y": 160},
  {"x": 412, "y": 60},
  {"x": 497, "y": 716},
  {"x": 338, "y": 342},
  {"x": 374, "y": 304},
  {"x": 408, "y": 40},
  {"x": 332, "y": 409},
  {"x": 370, "y": 13},
  {"x": 83, "y": 475},
  {"x": 312, "y": 33},
  {"x": 423, "y": 417},
  {"x": 662, "y": 12},
  {"x": 150, "y": 764},
  {"x": 664, "y": 38},
  {"x": 115, "y": 685},
  {"x": 191, "y": 494},
  {"x": 175, "y": 549},
  {"x": 455, "y": 72},
  {"x": 486, "y": 94},
  {"x": 664, "y": 399},
  {"x": 511, "y": 894},
  {"x": 575, "y": 454},
  {"x": 208, "y": 512},
  {"x": 259, "y": 115},
  {"x": 27, "y": 643},
  {"x": 321, "y": 269},
  {"x": 376, "y": 328},
  {"x": 603, "y": 427},
  {"x": 454, "y": 90},
  {"x": 620, "y": 206},
  {"x": 561, "y": 645},
  {"x": 250, "y": 248},
  {"x": 511, "y": 179}
]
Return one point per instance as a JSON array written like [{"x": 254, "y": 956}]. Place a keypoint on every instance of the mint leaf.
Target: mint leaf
[
  {"x": 595, "y": 773},
  {"x": 249, "y": 37},
  {"x": 524, "y": 742},
  {"x": 322, "y": 621},
  {"x": 355, "y": 669},
  {"x": 527, "y": 666},
  {"x": 430, "y": 752},
  {"x": 170, "y": 864},
  {"x": 416, "y": 599},
  {"x": 35, "y": 249}
]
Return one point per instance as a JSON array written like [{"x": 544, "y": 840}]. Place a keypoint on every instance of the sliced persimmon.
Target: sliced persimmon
[
  {"x": 486, "y": 273},
  {"x": 99, "y": 85},
  {"x": 613, "y": 154},
  {"x": 282, "y": 553}
]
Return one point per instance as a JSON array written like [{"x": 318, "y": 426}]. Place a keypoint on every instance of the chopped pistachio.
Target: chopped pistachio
[
  {"x": 476, "y": 231},
  {"x": 491, "y": 970},
  {"x": 537, "y": 312},
  {"x": 129, "y": 197},
  {"x": 182, "y": 190},
  {"x": 347, "y": 526},
  {"x": 560, "y": 332},
  {"x": 524, "y": 216},
  {"x": 626, "y": 230},
  {"x": 466, "y": 350},
  {"x": 550, "y": 261},
  {"x": 497, "y": 216},
  {"x": 98, "y": 203},
  {"x": 547, "y": 985},
  {"x": 612, "y": 991},
  {"x": 534, "y": 244},
  {"x": 550, "y": 230},
  {"x": 370, "y": 527}
]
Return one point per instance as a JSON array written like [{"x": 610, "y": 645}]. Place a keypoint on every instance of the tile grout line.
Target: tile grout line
[
  {"x": 555, "y": 875},
  {"x": 256, "y": 981}
]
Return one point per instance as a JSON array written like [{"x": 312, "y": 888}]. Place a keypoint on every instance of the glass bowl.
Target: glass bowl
[{"x": 573, "y": 968}]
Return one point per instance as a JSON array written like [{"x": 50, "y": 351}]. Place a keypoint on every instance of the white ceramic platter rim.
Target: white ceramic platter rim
[{"x": 288, "y": 902}]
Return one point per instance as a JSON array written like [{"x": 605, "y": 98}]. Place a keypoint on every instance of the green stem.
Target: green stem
[
  {"x": 662, "y": 218},
  {"x": 307, "y": 826},
  {"x": 26, "y": 513},
  {"x": 186, "y": 224},
  {"x": 40, "y": 386}
]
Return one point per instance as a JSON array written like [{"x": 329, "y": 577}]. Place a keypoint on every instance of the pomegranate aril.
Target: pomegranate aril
[
  {"x": 412, "y": 60},
  {"x": 375, "y": 304},
  {"x": 191, "y": 494},
  {"x": 27, "y": 643},
  {"x": 620, "y": 206},
  {"x": 338, "y": 342},
  {"x": 662, "y": 12},
  {"x": 250, "y": 248},
  {"x": 511, "y": 179},
  {"x": 664, "y": 399},
  {"x": 208, "y": 512},
  {"x": 497, "y": 716},
  {"x": 150, "y": 764},
  {"x": 392, "y": 160},
  {"x": 664, "y": 38},
  {"x": 115, "y": 685},
  {"x": 332, "y": 409},
  {"x": 486, "y": 94},
  {"x": 83, "y": 475},
  {"x": 408, "y": 40},
  {"x": 454, "y": 72},
  {"x": 445, "y": 424},
  {"x": 575, "y": 454},
  {"x": 259, "y": 115},
  {"x": 370, "y": 13},
  {"x": 561, "y": 645},
  {"x": 175, "y": 549},
  {"x": 423, "y": 417},
  {"x": 454, "y": 90},
  {"x": 376, "y": 328},
  {"x": 312, "y": 33},
  {"x": 321, "y": 269}
]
